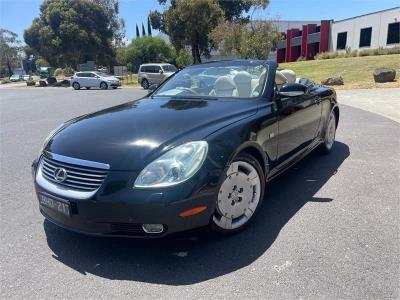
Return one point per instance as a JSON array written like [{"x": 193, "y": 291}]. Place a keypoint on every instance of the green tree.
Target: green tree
[
  {"x": 137, "y": 32},
  {"x": 148, "y": 27},
  {"x": 143, "y": 31},
  {"x": 188, "y": 22},
  {"x": 236, "y": 39},
  {"x": 68, "y": 32},
  {"x": 233, "y": 10},
  {"x": 117, "y": 23},
  {"x": 9, "y": 48},
  {"x": 183, "y": 59},
  {"x": 147, "y": 49},
  {"x": 40, "y": 62}
]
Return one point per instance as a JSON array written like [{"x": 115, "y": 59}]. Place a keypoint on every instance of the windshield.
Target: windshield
[
  {"x": 101, "y": 74},
  {"x": 169, "y": 68},
  {"x": 217, "y": 80}
]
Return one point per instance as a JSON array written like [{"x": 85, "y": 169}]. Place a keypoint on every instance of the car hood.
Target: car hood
[
  {"x": 131, "y": 135},
  {"x": 111, "y": 78}
]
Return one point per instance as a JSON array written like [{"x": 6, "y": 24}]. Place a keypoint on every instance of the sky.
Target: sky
[{"x": 17, "y": 15}]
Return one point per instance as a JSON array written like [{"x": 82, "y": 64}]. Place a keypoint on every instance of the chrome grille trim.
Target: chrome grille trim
[
  {"x": 82, "y": 181},
  {"x": 76, "y": 161}
]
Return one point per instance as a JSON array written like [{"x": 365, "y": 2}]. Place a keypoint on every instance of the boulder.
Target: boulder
[
  {"x": 382, "y": 75},
  {"x": 337, "y": 80}
]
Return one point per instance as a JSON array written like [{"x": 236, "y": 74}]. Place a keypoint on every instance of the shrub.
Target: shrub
[
  {"x": 183, "y": 59},
  {"x": 68, "y": 71},
  {"x": 147, "y": 50},
  {"x": 363, "y": 52},
  {"x": 58, "y": 72},
  {"x": 40, "y": 62}
]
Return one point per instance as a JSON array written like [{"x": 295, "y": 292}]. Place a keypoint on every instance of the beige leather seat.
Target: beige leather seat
[
  {"x": 258, "y": 87},
  {"x": 243, "y": 83},
  {"x": 290, "y": 75},
  {"x": 280, "y": 79},
  {"x": 224, "y": 87}
]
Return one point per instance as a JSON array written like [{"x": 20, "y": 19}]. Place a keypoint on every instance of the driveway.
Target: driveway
[
  {"x": 328, "y": 228},
  {"x": 385, "y": 102}
]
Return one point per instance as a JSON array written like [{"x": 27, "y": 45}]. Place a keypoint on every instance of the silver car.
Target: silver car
[
  {"x": 154, "y": 74},
  {"x": 94, "y": 80}
]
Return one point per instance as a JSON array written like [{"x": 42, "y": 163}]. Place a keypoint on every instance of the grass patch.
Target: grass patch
[
  {"x": 130, "y": 80},
  {"x": 357, "y": 72}
]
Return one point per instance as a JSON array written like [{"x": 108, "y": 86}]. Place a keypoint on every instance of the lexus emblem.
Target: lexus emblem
[{"x": 60, "y": 174}]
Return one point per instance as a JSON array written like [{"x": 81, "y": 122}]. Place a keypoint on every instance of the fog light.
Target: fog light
[{"x": 153, "y": 228}]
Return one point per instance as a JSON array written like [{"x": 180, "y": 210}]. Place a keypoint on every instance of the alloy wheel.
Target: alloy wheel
[
  {"x": 238, "y": 197},
  {"x": 330, "y": 132},
  {"x": 145, "y": 84},
  {"x": 103, "y": 86}
]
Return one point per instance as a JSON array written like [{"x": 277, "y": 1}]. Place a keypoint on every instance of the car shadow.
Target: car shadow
[{"x": 195, "y": 257}]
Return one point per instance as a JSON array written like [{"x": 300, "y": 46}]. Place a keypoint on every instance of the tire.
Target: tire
[
  {"x": 145, "y": 84},
  {"x": 114, "y": 87},
  {"x": 76, "y": 86},
  {"x": 239, "y": 196},
  {"x": 103, "y": 86},
  {"x": 330, "y": 134}
]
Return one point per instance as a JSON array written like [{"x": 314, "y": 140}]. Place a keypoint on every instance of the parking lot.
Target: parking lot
[{"x": 328, "y": 228}]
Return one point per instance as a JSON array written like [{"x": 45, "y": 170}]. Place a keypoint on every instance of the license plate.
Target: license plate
[{"x": 61, "y": 206}]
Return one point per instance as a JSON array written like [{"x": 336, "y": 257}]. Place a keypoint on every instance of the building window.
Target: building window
[
  {"x": 393, "y": 33},
  {"x": 365, "y": 37},
  {"x": 341, "y": 41}
]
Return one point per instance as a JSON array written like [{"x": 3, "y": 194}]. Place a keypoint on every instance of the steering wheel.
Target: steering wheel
[{"x": 190, "y": 90}]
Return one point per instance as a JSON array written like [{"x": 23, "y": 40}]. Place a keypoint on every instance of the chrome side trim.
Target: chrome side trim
[
  {"x": 76, "y": 161},
  {"x": 59, "y": 190}
]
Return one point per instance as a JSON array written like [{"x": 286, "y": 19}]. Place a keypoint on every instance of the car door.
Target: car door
[
  {"x": 298, "y": 123},
  {"x": 80, "y": 79},
  {"x": 94, "y": 80},
  {"x": 157, "y": 75},
  {"x": 84, "y": 79}
]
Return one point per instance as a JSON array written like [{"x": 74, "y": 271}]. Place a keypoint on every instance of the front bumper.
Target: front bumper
[
  {"x": 117, "y": 209},
  {"x": 115, "y": 84}
]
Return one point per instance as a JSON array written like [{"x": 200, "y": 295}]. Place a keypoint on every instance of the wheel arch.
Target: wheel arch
[{"x": 256, "y": 151}]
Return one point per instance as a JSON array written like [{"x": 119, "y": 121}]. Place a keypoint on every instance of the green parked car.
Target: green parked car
[{"x": 46, "y": 72}]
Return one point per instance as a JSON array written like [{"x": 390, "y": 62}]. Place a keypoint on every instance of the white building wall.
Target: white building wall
[{"x": 378, "y": 21}]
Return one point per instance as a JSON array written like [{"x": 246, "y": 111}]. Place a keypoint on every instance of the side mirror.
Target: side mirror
[
  {"x": 161, "y": 71},
  {"x": 152, "y": 87},
  {"x": 292, "y": 90}
]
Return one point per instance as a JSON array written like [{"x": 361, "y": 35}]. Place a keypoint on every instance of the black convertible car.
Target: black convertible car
[{"x": 185, "y": 156}]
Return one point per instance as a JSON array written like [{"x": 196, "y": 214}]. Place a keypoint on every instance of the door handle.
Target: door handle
[{"x": 317, "y": 100}]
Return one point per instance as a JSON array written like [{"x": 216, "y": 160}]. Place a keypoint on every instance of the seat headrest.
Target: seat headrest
[
  {"x": 280, "y": 79},
  {"x": 242, "y": 77},
  {"x": 224, "y": 83},
  {"x": 290, "y": 75}
]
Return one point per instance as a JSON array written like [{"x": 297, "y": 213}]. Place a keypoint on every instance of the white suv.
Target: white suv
[
  {"x": 154, "y": 74},
  {"x": 95, "y": 80}
]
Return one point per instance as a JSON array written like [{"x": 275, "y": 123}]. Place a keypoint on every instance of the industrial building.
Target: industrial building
[{"x": 307, "y": 38}]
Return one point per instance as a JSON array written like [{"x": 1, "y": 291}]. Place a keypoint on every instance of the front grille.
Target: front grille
[
  {"x": 127, "y": 229},
  {"x": 80, "y": 178}
]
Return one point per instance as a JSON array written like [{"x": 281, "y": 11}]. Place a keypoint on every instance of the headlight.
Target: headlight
[{"x": 174, "y": 167}]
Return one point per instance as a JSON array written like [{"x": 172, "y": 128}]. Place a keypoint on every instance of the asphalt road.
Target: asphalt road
[{"x": 328, "y": 229}]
